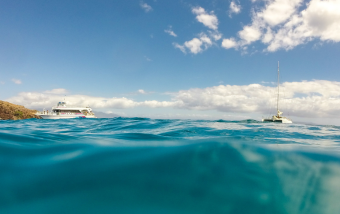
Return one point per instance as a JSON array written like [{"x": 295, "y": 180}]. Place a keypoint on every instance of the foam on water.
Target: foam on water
[{"x": 140, "y": 165}]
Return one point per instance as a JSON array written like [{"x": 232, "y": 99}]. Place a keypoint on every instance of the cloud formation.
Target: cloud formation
[
  {"x": 147, "y": 8},
  {"x": 281, "y": 24},
  {"x": 47, "y": 100},
  {"x": 16, "y": 81},
  {"x": 170, "y": 32},
  {"x": 180, "y": 47},
  {"x": 318, "y": 98},
  {"x": 196, "y": 45},
  {"x": 141, "y": 91},
  {"x": 208, "y": 20},
  {"x": 203, "y": 40},
  {"x": 234, "y": 8}
]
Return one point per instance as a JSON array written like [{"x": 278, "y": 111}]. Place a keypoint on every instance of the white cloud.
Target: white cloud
[
  {"x": 209, "y": 20},
  {"x": 194, "y": 45},
  {"x": 147, "y": 8},
  {"x": 2, "y": 83},
  {"x": 279, "y": 11},
  {"x": 204, "y": 40},
  {"x": 268, "y": 36},
  {"x": 16, "y": 81},
  {"x": 318, "y": 98},
  {"x": 46, "y": 100},
  {"x": 197, "y": 45},
  {"x": 57, "y": 91},
  {"x": 141, "y": 91},
  {"x": 170, "y": 32},
  {"x": 215, "y": 35},
  {"x": 250, "y": 34},
  {"x": 323, "y": 18},
  {"x": 234, "y": 8},
  {"x": 181, "y": 47},
  {"x": 229, "y": 43},
  {"x": 281, "y": 24}
]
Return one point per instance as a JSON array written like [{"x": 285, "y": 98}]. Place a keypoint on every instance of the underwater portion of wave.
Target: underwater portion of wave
[{"x": 141, "y": 165}]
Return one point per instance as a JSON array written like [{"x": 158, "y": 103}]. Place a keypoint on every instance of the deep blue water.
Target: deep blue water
[{"x": 140, "y": 165}]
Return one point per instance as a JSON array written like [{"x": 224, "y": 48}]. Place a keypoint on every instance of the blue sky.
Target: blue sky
[{"x": 124, "y": 49}]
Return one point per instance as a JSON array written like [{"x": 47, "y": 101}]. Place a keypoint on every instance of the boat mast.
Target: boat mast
[{"x": 278, "y": 87}]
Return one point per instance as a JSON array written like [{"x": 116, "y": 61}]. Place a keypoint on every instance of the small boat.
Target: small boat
[
  {"x": 278, "y": 118},
  {"x": 61, "y": 111}
]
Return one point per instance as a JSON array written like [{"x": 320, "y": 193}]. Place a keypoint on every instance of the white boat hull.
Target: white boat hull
[{"x": 49, "y": 116}]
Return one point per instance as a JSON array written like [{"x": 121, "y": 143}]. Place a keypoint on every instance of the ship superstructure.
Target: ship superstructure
[{"x": 62, "y": 111}]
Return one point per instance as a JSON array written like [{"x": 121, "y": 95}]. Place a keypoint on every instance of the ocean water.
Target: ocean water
[{"x": 140, "y": 165}]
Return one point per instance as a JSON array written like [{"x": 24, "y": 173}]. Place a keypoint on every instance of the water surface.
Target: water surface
[{"x": 141, "y": 165}]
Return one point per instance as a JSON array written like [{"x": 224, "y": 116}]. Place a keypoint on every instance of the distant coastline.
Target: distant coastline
[{"x": 10, "y": 111}]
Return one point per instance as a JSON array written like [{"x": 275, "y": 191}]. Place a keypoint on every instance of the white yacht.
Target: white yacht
[
  {"x": 278, "y": 118},
  {"x": 61, "y": 111}
]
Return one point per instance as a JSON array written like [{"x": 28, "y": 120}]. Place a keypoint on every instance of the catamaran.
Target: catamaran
[
  {"x": 278, "y": 118},
  {"x": 61, "y": 111}
]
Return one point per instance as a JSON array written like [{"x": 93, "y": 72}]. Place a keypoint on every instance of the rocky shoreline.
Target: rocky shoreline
[{"x": 9, "y": 111}]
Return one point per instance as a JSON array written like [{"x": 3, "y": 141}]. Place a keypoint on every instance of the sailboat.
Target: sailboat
[{"x": 278, "y": 118}]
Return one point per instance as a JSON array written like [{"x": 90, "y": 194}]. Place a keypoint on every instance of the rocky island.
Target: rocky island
[{"x": 9, "y": 111}]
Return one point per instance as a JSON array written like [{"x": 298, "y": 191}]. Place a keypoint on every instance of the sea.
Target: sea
[{"x": 142, "y": 165}]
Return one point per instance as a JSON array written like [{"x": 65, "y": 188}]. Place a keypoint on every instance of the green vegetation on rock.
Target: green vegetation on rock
[
  {"x": 9, "y": 111},
  {"x": 18, "y": 114}
]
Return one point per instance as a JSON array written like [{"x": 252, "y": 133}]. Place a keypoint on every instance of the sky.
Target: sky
[{"x": 203, "y": 59}]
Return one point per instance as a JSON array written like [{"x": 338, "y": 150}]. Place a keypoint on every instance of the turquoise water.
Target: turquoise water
[{"x": 140, "y": 165}]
